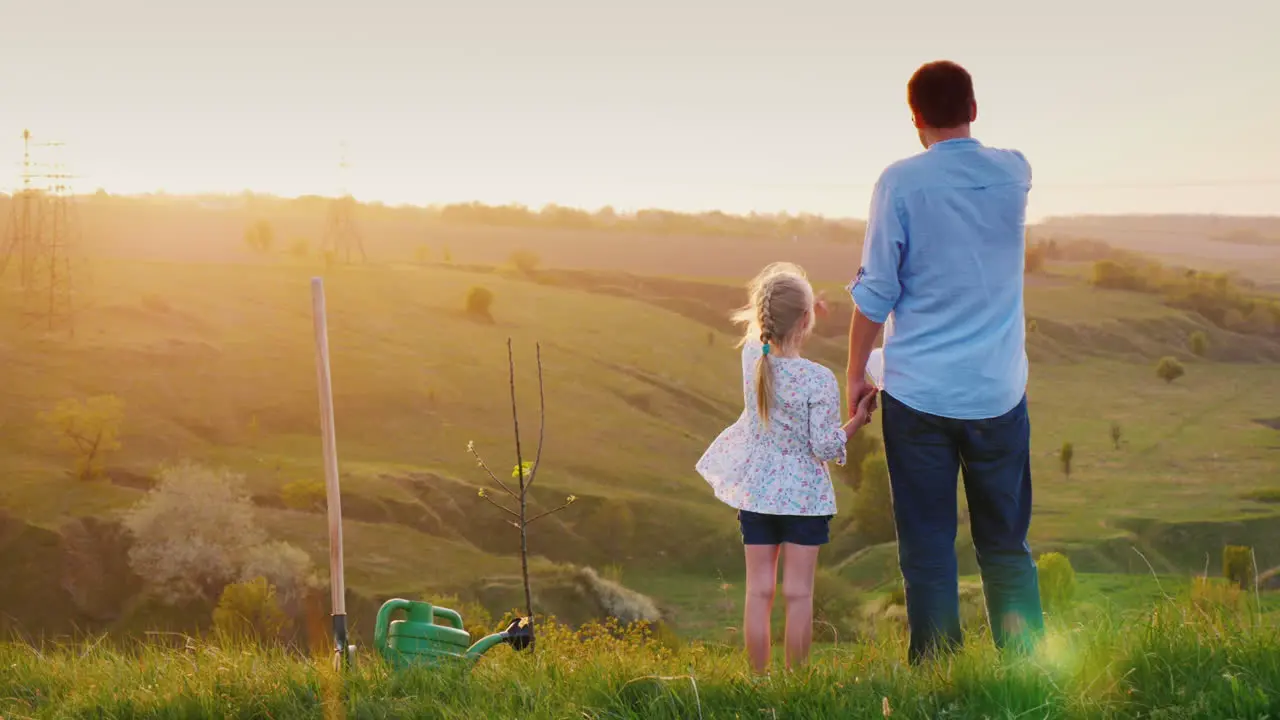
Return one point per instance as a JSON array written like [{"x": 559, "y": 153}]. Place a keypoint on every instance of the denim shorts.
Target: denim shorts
[{"x": 761, "y": 529}]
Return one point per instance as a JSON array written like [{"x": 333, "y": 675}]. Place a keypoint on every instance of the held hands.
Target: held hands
[
  {"x": 859, "y": 390},
  {"x": 862, "y": 409}
]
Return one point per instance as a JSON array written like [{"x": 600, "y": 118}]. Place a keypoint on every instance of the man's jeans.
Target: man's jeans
[{"x": 925, "y": 453}]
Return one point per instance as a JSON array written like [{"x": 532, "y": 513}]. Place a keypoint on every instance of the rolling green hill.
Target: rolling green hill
[{"x": 215, "y": 363}]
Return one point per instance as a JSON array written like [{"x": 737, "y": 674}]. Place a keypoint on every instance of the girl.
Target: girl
[{"x": 770, "y": 464}]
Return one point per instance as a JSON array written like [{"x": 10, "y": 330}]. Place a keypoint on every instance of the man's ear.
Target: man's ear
[
  {"x": 973, "y": 110},
  {"x": 917, "y": 121}
]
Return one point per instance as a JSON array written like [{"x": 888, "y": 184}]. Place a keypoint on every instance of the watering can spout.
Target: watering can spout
[{"x": 519, "y": 635}]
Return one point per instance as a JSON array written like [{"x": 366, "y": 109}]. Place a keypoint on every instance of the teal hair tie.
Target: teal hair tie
[{"x": 766, "y": 348}]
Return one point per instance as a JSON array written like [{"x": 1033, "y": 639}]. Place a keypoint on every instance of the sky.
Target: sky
[{"x": 1121, "y": 106}]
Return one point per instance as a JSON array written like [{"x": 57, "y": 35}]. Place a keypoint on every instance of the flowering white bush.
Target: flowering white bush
[
  {"x": 286, "y": 567},
  {"x": 195, "y": 532}
]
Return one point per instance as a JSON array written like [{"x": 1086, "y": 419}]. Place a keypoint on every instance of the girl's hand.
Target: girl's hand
[{"x": 820, "y": 308}]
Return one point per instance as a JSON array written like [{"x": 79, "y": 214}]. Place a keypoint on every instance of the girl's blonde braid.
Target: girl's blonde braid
[
  {"x": 764, "y": 368},
  {"x": 768, "y": 333}
]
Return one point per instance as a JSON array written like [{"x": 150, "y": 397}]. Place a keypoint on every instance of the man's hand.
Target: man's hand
[
  {"x": 862, "y": 336},
  {"x": 861, "y": 414},
  {"x": 860, "y": 389}
]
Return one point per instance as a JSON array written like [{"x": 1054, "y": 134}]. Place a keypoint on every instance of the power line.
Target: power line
[
  {"x": 40, "y": 234},
  {"x": 53, "y": 291},
  {"x": 22, "y": 219},
  {"x": 341, "y": 235}
]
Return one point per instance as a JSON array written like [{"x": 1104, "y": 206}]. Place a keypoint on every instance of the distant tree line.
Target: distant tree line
[
  {"x": 1228, "y": 302},
  {"x": 784, "y": 226},
  {"x": 1072, "y": 250},
  {"x": 1247, "y": 237},
  {"x": 804, "y": 227},
  {"x": 1224, "y": 301}
]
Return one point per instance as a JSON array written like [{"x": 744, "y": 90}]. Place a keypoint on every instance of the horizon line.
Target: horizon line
[{"x": 622, "y": 212}]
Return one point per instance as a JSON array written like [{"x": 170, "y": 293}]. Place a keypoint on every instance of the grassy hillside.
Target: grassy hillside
[
  {"x": 199, "y": 354},
  {"x": 215, "y": 363}
]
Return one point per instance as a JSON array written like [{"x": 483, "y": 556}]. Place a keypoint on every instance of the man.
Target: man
[{"x": 943, "y": 263}]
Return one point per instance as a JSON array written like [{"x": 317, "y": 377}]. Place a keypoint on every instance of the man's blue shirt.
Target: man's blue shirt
[{"x": 943, "y": 264}]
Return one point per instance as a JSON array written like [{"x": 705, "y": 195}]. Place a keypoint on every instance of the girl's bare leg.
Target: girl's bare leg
[
  {"x": 800, "y": 562},
  {"x": 762, "y": 581}
]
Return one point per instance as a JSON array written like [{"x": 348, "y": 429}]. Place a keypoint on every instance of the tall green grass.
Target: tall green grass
[{"x": 1183, "y": 659}]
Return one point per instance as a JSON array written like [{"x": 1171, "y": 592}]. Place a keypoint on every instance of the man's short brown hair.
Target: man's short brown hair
[{"x": 940, "y": 94}]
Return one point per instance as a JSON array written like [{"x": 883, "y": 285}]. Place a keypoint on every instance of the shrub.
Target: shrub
[
  {"x": 1057, "y": 581},
  {"x": 249, "y": 610},
  {"x": 873, "y": 504},
  {"x": 1199, "y": 343},
  {"x": 526, "y": 261},
  {"x": 1065, "y": 456},
  {"x": 422, "y": 254},
  {"x": 620, "y": 602},
  {"x": 300, "y": 248},
  {"x": 286, "y": 567},
  {"x": 88, "y": 431},
  {"x": 192, "y": 532},
  {"x": 304, "y": 495},
  {"x": 1169, "y": 369},
  {"x": 1114, "y": 275},
  {"x": 480, "y": 303},
  {"x": 1116, "y": 434},
  {"x": 1237, "y": 565}
]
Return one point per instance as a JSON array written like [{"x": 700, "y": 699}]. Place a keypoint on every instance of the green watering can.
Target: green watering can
[{"x": 418, "y": 640}]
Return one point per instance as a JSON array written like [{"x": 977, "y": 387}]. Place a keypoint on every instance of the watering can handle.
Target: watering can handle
[
  {"x": 383, "y": 622},
  {"x": 451, "y": 615}
]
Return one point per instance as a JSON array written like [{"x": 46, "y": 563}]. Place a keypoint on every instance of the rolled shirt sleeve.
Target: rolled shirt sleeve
[{"x": 877, "y": 288}]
